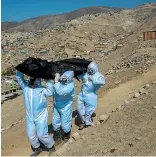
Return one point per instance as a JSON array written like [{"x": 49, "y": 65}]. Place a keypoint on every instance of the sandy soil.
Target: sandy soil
[
  {"x": 130, "y": 131},
  {"x": 15, "y": 141}
]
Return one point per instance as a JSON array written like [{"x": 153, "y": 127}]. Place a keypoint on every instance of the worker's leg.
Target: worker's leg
[
  {"x": 90, "y": 107},
  {"x": 66, "y": 121},
  {"x": 42, "y": 130},
  {"x": 32, "y": 133},
  {"x": 56, "y": 123},
  {"x": 81, "y": 111}
]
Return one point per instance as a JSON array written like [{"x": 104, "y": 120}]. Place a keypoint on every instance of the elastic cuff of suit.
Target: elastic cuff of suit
[
  {"x": 58, "y": 129},
  {"x": 51, "y": 145},
  {"x": 36, "y": 146},
  {"x": 67, "y": 131},
  {"x": 88, "y": 123}
]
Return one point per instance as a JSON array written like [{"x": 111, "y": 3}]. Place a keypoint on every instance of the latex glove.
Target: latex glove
[
  {"x": 57, "y": 77},
  {"x": 48, "y": 80}
]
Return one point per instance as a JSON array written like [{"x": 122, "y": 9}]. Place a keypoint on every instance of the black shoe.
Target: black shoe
[
  {"x": 66, "y": 136},
  {"x": 33, "y": 149},
  {"x": 86, "y": 126},
  {"x": 36, "y": 151},
  {"x": 82, "y": 126},
  {"x": 51, "y": 150},
  {"x": 57, "y": 137},
  {"x": 94, "y": 114}
]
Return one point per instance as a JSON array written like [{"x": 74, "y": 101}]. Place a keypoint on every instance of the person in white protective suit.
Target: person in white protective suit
[
  {"x": 87, "y": 101},
  {"x": 36, "y": 112},
  {"x": 63, "y": 104}
]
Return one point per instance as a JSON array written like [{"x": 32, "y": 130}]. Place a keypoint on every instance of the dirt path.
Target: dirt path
[
  {"x": 15, "y": 142},
  {"x": 130, "y": 131},
  {"x": 116, "y": 96}
]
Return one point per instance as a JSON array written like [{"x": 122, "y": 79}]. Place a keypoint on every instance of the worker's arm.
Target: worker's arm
[
  {"x": 99, "y": 80},
  {"x": 63, "y": 90},
  {"x": 20, "y": 80},
  {"x": 48, "y": 91},
  {"x": 80, "y": 77}
]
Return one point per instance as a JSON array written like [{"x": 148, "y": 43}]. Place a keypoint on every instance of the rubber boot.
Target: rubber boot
[
  {"x": 36, "y": 151},
  {"x": 82, "y": 126},
  {"x": 90, "y": 125},
  {"x": 57, "y": 137},
  {"x": 33, "y": 149},
  {"x": 87, "y": 126},
  {"x": 51, "y": 150},
  {"x": 66, "y": 136}
]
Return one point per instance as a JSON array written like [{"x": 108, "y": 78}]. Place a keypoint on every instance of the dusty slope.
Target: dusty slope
[
  {"x": 15, "y": 139},
  {"x": 86, "y": 35},
  {"x": 107, "y": 32},
  {"x": 130, "y": 131}
]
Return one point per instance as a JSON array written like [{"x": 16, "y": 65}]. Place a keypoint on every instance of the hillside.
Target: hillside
[
  {"x": 100, "y": 33},
  {"x": 47, "y": 21},
  {"x": 8, "y": 25},
  {"x": 114, "y": 40}
]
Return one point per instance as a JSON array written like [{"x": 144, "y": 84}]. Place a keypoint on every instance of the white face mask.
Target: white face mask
[
  {"x": 63, "y": 81},
  {"x": 90, "y": 71}
]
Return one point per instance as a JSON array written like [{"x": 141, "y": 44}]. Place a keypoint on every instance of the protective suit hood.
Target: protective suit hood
[
  {"x": 38, "y": 82},
  {"x": 92, "y": 68},
  {"x": 68, "y": 76}
]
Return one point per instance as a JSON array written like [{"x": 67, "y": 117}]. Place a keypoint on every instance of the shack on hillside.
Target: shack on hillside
[{"x": 149, "y": 35}]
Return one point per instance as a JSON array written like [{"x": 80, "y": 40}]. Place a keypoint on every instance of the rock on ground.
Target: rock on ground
[
  {"x": 104, "y": 118},
  {"x": 76, "y": 136}
]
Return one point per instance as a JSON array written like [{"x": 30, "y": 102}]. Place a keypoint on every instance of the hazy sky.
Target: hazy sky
[{"x": 18, "y": 10}]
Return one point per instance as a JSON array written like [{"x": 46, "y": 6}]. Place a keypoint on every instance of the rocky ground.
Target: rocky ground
[
  {"x": 91, "y": 36},
  {"x": 128, "y": 65},
  {"x": 128, "y": 131},
  {"x": 112, "y": 98}
]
